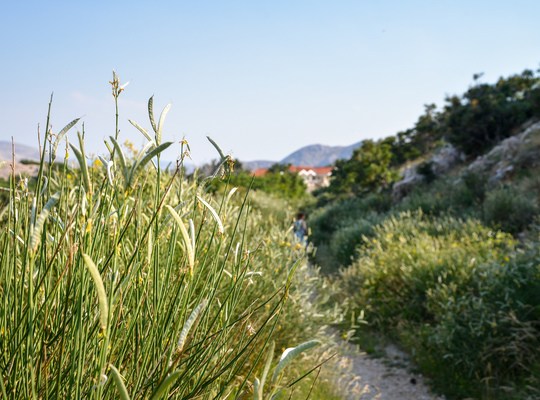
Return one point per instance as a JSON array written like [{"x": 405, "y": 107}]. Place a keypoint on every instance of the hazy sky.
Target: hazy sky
[{"x": 262, "y": 78}]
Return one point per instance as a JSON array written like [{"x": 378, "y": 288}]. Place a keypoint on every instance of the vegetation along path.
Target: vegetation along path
[
  {"x": 352, "y": 373},
  {"x": 361, "y": 376}
]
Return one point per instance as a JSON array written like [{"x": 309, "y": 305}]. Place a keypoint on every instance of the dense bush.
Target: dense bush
[
  {"x": 509, "y": 210},
  {"x": 324, "y": 221},
  {"x": 488, "y": 327},
  {"x": 430, "y": 200},
  {"x": 457, "y": 293},
  {"x": 368, "y": 169},
  {"x": 338, "y": 228},
  {"x": 459, "y": 296},
  {"x": 473, "y": 122},
  {"x": 344, "y": 242},
  {"x": 412, "y": 253}
]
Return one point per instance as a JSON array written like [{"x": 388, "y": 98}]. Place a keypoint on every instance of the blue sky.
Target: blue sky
[{"x": 262, "y": 78}]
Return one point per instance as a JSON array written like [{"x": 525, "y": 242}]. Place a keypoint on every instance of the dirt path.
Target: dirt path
[
  {"x": 361, "y": 377},
  {"x": 358, "y": 376}
]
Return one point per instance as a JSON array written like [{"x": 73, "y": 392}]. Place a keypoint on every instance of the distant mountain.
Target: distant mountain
[
  {"x": 318, "y": 155},
  {"x": 22, "y": 152},
  {"x": 314, "y": 155}
]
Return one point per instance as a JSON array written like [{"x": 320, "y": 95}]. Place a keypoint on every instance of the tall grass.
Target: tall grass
[{"x": 121, "y": 280}]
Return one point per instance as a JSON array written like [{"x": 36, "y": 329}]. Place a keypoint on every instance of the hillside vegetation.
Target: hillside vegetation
[{"x": 433, "y": 238}]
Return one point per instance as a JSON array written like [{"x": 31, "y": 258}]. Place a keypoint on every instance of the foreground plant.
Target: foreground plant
[{"x": 122, "y": 280}]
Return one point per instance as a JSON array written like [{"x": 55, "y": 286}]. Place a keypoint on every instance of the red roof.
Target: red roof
[
  {"x": 296, "y": 169},
  {"x": 317, "y": 170},
  {"x": 260, "y": 172}
]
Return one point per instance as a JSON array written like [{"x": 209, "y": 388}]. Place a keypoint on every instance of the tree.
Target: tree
[
  {"x": 368, "y": 169},
  {"x": 486, "y": 113}
]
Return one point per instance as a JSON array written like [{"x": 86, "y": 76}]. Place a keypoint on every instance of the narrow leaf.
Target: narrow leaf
[
  {"x": 185, "y": 236},
  {"x": 119, "y": 382},
  {"x": 121, "y": 157},
  {"x": 231, "y": 192},
  {"x": 161, "y": 122},
  {"x": 257, "y": 390},
  {"x": 82, "y": 167},
  {"x": 192, "y": 233},
  {"x": 142, "y": 162},
  {"x": 151, "y": 154},
  {"x": 164, "y": 387},
  {"x": 108, "y": 146},
  {"x": 151, "y": 113},
  {"x": 267, "y": 365},
  {"x": 40, "y": 221},
  {"x": 150, "y": 247},
  {"x": 100, "y": 290},
  {"x": 214, "y": 214},
  {"x": 291, "y": 353},
  {"x": 189, "y": 324},
  {"x": 141, "y": 129},
  {"x": 81, "y": 158},
  {"x": 61, "y": 134},
  {"x": 221, "y": 155}
]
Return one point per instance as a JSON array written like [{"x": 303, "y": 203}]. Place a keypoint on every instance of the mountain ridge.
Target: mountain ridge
[
  {"x": 22, "y": 151},
  {"x": 313, "y": 155}
]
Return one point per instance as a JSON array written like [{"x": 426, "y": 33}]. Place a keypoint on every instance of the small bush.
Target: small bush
[
  {"x": 426, "y": 170},
  {"x": 475, "y": 184},
  {"x": 344, "y": 242},
  {"x": 429, "y": 200},
  {"x": 509, "y": 210},
  {"x": 332, "y": 217}
]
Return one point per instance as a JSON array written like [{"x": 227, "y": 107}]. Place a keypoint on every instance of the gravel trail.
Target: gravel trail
[{"x": 359, "y": 376}]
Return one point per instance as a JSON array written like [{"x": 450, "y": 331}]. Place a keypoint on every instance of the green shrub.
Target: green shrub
[
  {"x": 409, "y": 255},
  {"x": 486, "y": 114},
  {"x": 332, "y": 217},
  {"x": 428, "y": 199},
  {"x": 476, "y": 184},
  {"x": 509, "y": 210},
  {"x": 344, "y": 242},
  {"x": 487, "y": 327},
  {"x": 459, "y": 296},
  {"x": 447, "y": 196},
  {"x": 426, "y": 170},
  {"x": 323, "y": 222}
]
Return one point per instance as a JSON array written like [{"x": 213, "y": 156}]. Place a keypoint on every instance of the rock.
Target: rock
[
  {"x": 441, "y": 162},
  {"x": 445, "y": 159},
  {"x": 500, "y": 174},
  {"x": 499, "y": 162},
  {"x": 411, "y": 178}
]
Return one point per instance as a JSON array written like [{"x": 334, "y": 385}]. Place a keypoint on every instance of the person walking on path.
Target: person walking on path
[{"x": 300, "y": 228}]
